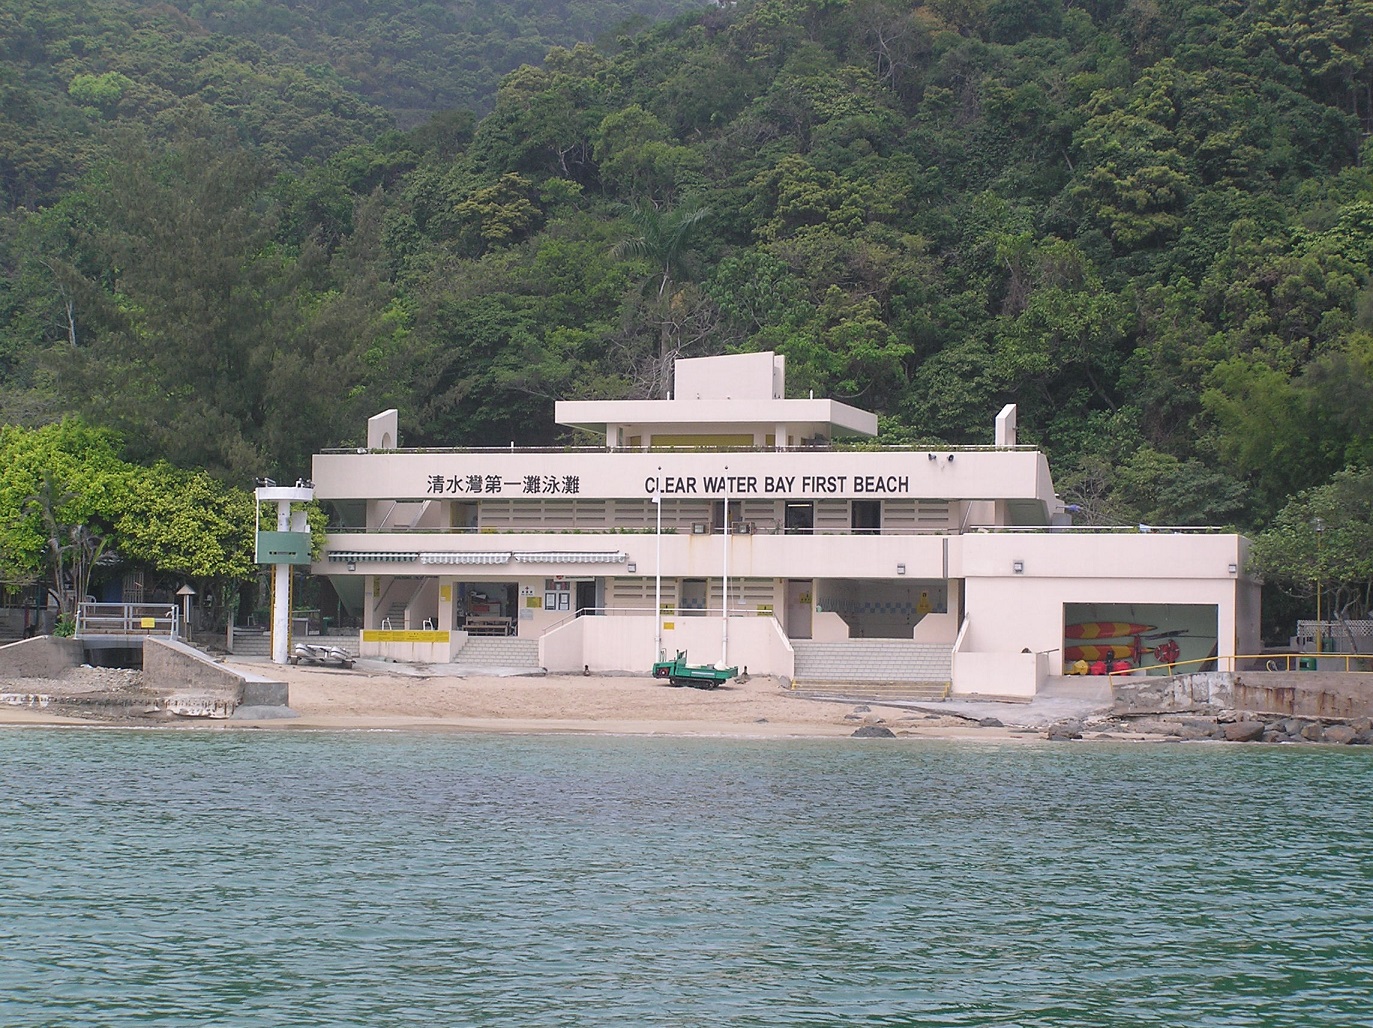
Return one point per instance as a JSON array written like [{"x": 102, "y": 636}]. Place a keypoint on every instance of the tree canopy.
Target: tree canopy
[{"x": 1149, "y": 225}]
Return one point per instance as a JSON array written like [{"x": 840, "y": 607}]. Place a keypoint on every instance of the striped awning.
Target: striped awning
[
  {"x": 359, "y": 556},
  {"x": 465, "y": 558},
  {"x": 569, "y": 557}
]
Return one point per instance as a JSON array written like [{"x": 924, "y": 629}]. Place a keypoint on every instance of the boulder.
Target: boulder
[
  {"x": 1065, "y": 730},
  {"x": 1243, "y": 731},
  {"x": 990, "y": 722},
  {"x": 1312, "y": 732},
  {"x": 1341, "y": 734},
  {"x": 873, "y": 732}
]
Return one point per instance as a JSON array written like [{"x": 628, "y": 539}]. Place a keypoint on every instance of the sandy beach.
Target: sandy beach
[
  {"x": 401, "y": 698},
  {"x": 758, "y": 707}
]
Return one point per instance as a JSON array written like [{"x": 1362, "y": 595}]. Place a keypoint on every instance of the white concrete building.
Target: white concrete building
[{"x": 837, "y": 557}]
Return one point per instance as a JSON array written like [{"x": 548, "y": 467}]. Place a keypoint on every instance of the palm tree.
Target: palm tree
[{"x": 663, "y": 238}]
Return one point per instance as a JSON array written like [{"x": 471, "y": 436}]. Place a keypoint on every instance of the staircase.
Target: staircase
[
  {"x": 483, "y": 651},
  {"x": 873, "y": 669},
  {"x": 252, "y": 643},
  {"x": 394, "y": 618}
]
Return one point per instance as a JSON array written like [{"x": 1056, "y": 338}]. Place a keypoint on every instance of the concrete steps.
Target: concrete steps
[
  {"x": 873, "y": 669},
  {"x": 252, "y": 644},
  {"x": 498, "y": 651}
]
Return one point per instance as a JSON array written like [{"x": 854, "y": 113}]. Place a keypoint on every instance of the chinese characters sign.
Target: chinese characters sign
[{"x": 526, "y": 485}]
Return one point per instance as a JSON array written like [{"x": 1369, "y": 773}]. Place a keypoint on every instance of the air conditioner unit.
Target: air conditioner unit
[
  {"x": 742, "y": 528},
  {"x": 699, "y": 528}
]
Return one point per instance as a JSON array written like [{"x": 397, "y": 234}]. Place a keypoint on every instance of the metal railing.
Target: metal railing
[
  {"x": 1261, "y": 662},
  {"x": 836, "y": 446},
  {"x": 676, "y": 612},
  {"x": 128, "y": 619}
]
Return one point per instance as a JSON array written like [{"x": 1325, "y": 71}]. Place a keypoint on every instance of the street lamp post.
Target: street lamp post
[{"x": 1319, "y": 525}]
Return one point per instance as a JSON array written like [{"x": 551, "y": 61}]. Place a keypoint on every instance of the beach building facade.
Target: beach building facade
[{"x": 768, "y": 532}]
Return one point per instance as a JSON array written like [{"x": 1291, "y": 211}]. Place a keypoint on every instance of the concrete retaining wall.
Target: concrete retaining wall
[
  {"x": 1331, "y": 694},
  {"x": 46, "y": 656},
  {"x": 169, "y": 665}
]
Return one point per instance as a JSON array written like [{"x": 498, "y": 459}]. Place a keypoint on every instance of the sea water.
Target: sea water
[{"x": 290, "y": 878}]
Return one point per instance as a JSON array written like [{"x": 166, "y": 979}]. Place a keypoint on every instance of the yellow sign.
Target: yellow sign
[
  {"x": 669, "y": 626},
  {"x": 764, "y": 609},
  {"x": 380, "y": 635},
  {"x": 149, "y": 622},
  {"x": 445, "y": 593},
  {"x": 533, "y": 601}
]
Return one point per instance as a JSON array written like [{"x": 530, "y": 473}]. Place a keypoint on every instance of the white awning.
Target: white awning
[
  {"x": 357, "y": 556},
  {"x": 568, "y": 557},
  {"x": 465, "y": 558}
]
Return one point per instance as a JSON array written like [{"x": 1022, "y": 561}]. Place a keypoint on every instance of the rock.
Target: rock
[
  {"x": 862, "y": 708},
  {"x": 1243, "y": 731},
  {"x": 1312, "y": 732},
  {"x": 1065, "y": 730},
  {"x": 760, "y": 721},
  {"x": 990, "y": 722},
  {"x": 853, "y": 717},
  {"x": 873, "y": 719},
  {"x": 1341, "y": 734},
  {"x": 873, "y": 732}
]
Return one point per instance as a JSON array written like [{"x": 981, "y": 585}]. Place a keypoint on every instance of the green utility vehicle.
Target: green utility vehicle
[{"x": 678, "y": 673}]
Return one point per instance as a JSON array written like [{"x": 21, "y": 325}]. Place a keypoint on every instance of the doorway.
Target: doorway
[
  {"x": 799, "y": 593},
  {"x": 586, "y": 597},
  {"x": 693, "y": 597},
  {"x": 798, "y": 518},
  {"x": 867, "y": 516}
]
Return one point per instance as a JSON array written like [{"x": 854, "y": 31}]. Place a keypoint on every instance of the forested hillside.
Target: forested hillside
[
  {"x": 1149, "y": 224},
  {"x": 416, "y": 59}
]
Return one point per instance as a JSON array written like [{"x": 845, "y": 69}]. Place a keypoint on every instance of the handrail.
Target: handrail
[
  {"x": 385, "y": 595},
  {"x": 647, "y": 611},
  {"x": 1270, "y": 661},
  {"x": 837, "y": 446},
  {"x": 387, "y": 516}
]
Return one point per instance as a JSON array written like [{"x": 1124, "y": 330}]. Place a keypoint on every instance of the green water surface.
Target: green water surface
[{"x": 292, "y": 878}]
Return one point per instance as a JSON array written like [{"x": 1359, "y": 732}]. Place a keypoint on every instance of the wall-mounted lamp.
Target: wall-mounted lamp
[
  {"x": 951, "y": 458},
  {"x": 931, "y": 456},
  {"x": 631, "y": 567},
  {"x": 352, "y": 565},
  {"x": 1233, "y": 569},
  {"x": 1017, "y": 567},
  {"x": 901, "y": 569}
]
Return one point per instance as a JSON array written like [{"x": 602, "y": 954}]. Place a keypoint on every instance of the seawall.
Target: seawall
[{"x": 1321, "y": 694}]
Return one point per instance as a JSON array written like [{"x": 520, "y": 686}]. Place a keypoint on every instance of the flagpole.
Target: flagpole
[
  {"x": 658, "y": 571},
  {"x": 724, "y": 592}
]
